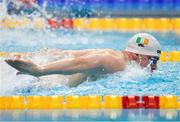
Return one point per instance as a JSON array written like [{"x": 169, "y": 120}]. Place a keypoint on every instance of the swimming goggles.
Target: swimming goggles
[{"x": 153, "y": 60}]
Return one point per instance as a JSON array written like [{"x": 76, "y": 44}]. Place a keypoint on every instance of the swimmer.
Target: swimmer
[{"x": 142, "y": 48}]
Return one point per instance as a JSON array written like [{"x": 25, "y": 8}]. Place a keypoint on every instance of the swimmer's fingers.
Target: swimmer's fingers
[
  {"x": 25, "y": 67},
  {"x": 17, "y": 64},
  {"x": 11, "y": 62},
  {"x": 20, "y": 73},
  {"x": 14, "y": 64}
]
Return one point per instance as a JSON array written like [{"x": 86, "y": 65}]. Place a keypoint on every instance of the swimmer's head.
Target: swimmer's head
[
  {"x": 146, "y": 49},
  {"x": 145, "y": 44}
]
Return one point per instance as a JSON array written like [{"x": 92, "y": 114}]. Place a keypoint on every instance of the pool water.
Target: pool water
[
  {"x": 91, "y": 115},
  {"x": 133, "y": 81}
]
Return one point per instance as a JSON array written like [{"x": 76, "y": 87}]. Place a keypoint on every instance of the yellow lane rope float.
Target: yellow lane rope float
[
  {"x": 10, "y": 23},
  {"x": 172, "y": 56},
  {"x": 104, "y": 24},
  {"x": 89, "y": 102},
  {"x": 128, "y": 24}
]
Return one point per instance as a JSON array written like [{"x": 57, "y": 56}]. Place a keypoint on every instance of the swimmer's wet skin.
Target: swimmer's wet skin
[
  {"x": 24, "y": 67},
  {"x": 142, "y": 48},
  {"x": 92, "y": 63}
]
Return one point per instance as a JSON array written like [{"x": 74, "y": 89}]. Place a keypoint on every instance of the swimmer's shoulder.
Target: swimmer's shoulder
[{"x": 117, "y": 53}]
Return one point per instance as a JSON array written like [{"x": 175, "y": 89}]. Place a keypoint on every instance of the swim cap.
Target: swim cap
[{"x": 145, "y": 44}]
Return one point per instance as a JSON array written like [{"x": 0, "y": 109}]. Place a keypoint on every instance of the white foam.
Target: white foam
[
  {"x": 3, "y": 10},
  {"x": 133, "y": 73},
  {"x": 8, "y": 79},
  {"x": 10, "y": 82}
]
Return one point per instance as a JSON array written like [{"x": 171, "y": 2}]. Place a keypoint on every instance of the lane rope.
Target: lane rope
[{"x": 89, "y": 102}]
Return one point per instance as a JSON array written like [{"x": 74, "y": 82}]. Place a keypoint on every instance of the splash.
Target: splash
[
  {"x": 19, "y": 14},
  {"x": 3, "y": 10},
  {"x": 9, "y": 81},
  {"x": 29, "y": 83},
  {"x": 134, "y": 80},
  {"x": 133, "y": 73}
]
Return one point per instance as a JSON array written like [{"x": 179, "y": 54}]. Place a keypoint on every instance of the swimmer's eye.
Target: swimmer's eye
[{"x": 153, "y": 60}]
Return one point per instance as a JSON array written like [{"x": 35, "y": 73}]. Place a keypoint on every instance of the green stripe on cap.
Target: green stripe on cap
[{"x": 138, "y": 40}]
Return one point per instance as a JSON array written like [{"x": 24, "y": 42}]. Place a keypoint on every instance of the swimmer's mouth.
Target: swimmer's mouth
[{"x": 153, "y": 68}]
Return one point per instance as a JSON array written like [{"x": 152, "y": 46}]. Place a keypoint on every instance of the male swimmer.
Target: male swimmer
[{"x": 142, "y": 48}]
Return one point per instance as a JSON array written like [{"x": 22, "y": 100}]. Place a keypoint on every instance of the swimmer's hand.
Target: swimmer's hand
[{"x": 25, "y": 67}]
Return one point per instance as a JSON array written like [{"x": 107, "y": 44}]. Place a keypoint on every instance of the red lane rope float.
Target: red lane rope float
[
  {"x": 103, "y": 24},
  {"x": 147, "y": 102},
  {"x": 89, "y": 102},
  {"x": 130, "y": 102},
  {"x": 53, "y": 23},
  {"x": 151, "y": 101},
  {"x": 66, "y": 23}
]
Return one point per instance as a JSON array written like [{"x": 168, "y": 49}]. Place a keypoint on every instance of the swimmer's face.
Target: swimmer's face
[{"x": 144, "y": 60}]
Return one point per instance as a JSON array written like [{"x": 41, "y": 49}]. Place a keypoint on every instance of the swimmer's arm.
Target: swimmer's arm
[
  {"x": 78, "y": 53},
  {"x": 84, "y": 64},
  {"x": 87, "y": 64}
]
